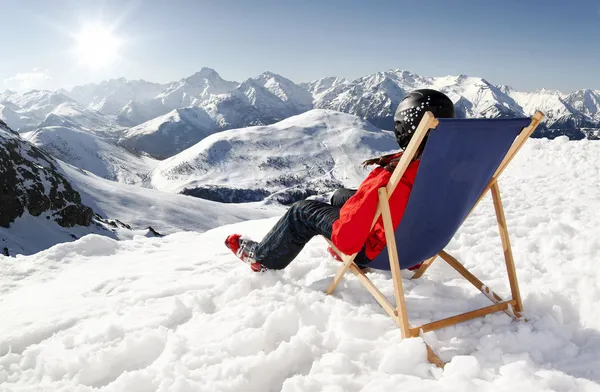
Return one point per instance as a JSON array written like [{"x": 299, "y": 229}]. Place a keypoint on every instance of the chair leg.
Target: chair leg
[
  {"x": 457, "y": 265},
  {"x": 348, "y": 261},
  {"x": 508, "y": 255},
  {"x": 394, "y": 262},
  {"x": 421, "y": 270}
]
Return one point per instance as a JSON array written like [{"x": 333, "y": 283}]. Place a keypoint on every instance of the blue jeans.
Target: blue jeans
[{"x": 304, "y": 220}]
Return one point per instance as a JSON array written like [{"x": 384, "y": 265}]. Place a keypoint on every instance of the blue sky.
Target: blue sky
[{"x": 525, "y": 44}]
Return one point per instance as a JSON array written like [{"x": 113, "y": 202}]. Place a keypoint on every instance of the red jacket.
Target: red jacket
[{"x": 351, "y": 230}]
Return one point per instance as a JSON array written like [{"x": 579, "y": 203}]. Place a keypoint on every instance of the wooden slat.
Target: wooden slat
[
  {"x": 370, "y": 286},
  {"x": 421, "y": 270},
  {"x": 536, "y": 119},
  {"x": 508, "y": 255},
  {"x": 389, "y": 309},
  {"x": 348, "y": 261},
  {"x": 461, "y": 317},
  {"x": 457, "y": 265},
  {"x": 433, "y": 358},
  {"x": 427, "y": 122},
  {"x": 388, "y": 227}
]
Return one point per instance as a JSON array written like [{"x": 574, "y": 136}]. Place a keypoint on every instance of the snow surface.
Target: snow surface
[
  {"x": 30, "y": 234},
  {"x": 167, "y": 135},
  {"x": 109, "y": 97},
  {"x": 181, "y": 313},
  {"x": 132, "y": 205},
  {"x": 167, "y": 213},
  {"x": 23, "y": 112},
  {"x": 93, "y": 153},
  {"x": 319, "y": 145}
]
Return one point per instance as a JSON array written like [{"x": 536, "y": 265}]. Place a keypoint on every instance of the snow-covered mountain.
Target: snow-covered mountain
[
  {"x": 72, "y": 115},
  {"x": 91, "y": 152},
  {"x": 310, "y": 153},
  {"x": 166, "y": 135},
  {"x": 109, "y": 97},
  {"x": 25, "y": 111},
  {"x": 146, "y": 107},
  {"x": 190, "y": 91},
  {"x": 586, "y": 102}
]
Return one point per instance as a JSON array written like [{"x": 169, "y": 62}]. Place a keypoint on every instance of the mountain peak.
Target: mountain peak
[
  {"x": 204, "y": 73},
  {"x": 270, "y": 74}
]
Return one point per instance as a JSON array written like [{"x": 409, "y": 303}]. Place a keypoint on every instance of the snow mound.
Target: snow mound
[
  {"x": 318, "y": 149},
  {"x": 181, "y": 313}
]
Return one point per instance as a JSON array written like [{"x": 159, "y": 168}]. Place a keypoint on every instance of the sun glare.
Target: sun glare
[{"x": 97, "y": 47}]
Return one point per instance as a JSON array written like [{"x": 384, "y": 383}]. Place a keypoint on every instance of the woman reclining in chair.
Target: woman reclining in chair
[{"x": 347, "y": 220}]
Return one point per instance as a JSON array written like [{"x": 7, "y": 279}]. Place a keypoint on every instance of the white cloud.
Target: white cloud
[{"x": 36, "y": 79}]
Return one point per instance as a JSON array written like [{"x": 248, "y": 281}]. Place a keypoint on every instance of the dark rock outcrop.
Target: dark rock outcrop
[{"x": 30, "y": 182}]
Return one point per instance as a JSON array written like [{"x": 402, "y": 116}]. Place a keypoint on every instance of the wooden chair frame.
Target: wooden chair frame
[{"x": 512, "y": 307}]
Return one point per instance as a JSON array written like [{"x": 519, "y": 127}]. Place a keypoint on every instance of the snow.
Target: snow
[
  {"x": 171, "y": 133},
  {"x": 31, "y": 234},
  {"x": 71, "y": 114},
  {"x": 111, "y": 96},
  {"x": 25, "y": 111},
  {"x": 314, "y": 146},
  {"x": 167, "y": 213},
  {"x": 135, "y": 206},
  {"x": 92, "y": 153},
  {"x": 181, "y": 313},
  {"x": 111, "y": 106}
]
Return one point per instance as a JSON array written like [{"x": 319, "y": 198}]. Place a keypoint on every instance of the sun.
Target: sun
[{"x": 97, "y": 47}]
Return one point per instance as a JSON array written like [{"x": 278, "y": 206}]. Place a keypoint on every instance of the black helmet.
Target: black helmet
[{"x": 412, "y": 108}]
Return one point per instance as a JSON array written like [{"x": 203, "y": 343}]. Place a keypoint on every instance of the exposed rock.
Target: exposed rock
[{"x": 29, "y": 181}]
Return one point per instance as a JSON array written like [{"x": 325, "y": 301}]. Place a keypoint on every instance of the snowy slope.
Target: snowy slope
[
  {"x": 312, "y": 152},
  {"x": 171, "y": 133},
  {"x": 24, "y": 111},
  {"x": 165, "y": 212},
  {"x": 109, "y": 97},
  {"x": 180, "y": 313},
  {"x": 38, "y": 205},
  {"x": 72, "y": 115},
  {"x": 93, "y": 153}
]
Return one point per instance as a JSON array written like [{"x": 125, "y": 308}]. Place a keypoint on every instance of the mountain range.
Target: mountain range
[
  {"x": 135, "y": 131},
  {"x": 121, "y": 103}
]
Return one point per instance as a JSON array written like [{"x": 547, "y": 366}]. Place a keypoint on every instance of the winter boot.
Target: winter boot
[{"x": 244, "y": 249}]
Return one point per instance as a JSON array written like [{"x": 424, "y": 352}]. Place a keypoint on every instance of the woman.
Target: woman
[{"x": 347, "y": 220}]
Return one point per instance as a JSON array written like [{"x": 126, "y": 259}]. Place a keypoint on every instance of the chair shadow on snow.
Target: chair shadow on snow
[{"x": 552, "y": 338}]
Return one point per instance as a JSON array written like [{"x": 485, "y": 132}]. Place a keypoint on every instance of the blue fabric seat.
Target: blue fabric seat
[{"x": 459, "y": 160}]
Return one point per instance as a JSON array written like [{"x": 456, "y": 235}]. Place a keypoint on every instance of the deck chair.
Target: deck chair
[{"x": 462, "y": 160}]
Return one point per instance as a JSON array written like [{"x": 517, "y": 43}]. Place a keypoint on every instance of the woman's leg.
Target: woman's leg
[
  {"x": 304, "y": 220},
  {"x": 341, "y": 196}
]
